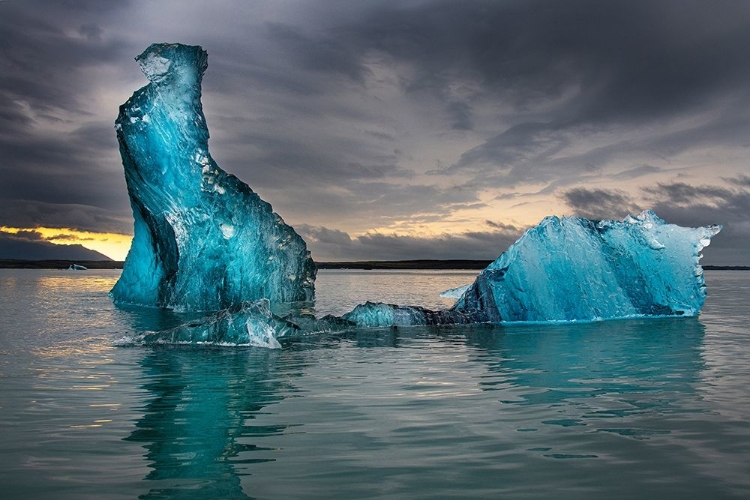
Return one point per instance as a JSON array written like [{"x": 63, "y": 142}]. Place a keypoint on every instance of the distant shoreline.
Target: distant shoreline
[{"x": 424, "y": 264}]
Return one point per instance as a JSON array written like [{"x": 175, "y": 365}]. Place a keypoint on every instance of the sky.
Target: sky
[{"x": 393, "y": 130}]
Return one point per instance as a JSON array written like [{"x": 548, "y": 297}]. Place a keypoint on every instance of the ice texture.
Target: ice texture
[
  {"x": 203, "y": 240},
  {"x": 247, "y": 324},
  {"x": 378, "y": 314},
  {"x": 575, "y": 269},
  {"x": 454, "y": 293},
  {"x": 251, "y": 323}
]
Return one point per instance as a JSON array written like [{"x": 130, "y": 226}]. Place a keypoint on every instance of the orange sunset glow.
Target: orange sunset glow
[{"x": 113, "y": 245}]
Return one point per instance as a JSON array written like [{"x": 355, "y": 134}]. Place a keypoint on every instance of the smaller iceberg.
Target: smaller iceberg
[
  {"x": 248, "y": 324},
  {"x": 574, "y": 269}
]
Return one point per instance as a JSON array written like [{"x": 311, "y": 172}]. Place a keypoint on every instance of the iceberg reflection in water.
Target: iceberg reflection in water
[
  {"x": 232, "y": 423},
  {"x": 618, "y": 409}
]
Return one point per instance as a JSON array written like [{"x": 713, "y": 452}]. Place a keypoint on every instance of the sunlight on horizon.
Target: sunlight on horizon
[{"x": 113, "y": 245}]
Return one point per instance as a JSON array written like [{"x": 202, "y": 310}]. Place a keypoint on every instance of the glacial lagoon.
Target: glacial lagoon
[{"x": 652, "y": 408}]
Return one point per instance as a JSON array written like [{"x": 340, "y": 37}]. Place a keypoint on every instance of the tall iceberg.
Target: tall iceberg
[
  {"x": 203, "y": 241},
  {"x": 575, "y": 269}
]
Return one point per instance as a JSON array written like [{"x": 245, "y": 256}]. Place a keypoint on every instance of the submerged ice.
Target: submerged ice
[
  {"x": 203, "y": 240},
  {"x": 250, "y": 323}
]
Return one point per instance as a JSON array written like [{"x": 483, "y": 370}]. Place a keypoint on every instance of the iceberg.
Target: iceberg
[
  {"x": 575, "y": 269},
  {"x": 203, "y": 240},
  {"x": 378, "y": 314},
  {"x": 563, "y": 270},
  {"x": 249, "y": 324}
]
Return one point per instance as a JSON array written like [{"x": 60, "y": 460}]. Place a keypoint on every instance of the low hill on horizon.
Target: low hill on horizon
[{"x": 12, "y": 248}]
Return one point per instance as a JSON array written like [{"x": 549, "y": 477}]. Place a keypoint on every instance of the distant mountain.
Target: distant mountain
[{"x": 26, "y": 249}]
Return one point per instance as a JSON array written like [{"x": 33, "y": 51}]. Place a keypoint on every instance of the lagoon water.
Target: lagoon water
[{"x": 619, "y": 409}]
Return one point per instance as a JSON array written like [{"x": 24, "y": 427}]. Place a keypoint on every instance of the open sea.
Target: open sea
[{"x": 619, "y": 409}]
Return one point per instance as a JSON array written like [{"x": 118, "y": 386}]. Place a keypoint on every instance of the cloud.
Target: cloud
[
  {"x": 337, "y": 113},
  {"x": 599, "y": 204},
  {"x": 29, "y": 245},
  {"x": 635, "y": 172},
  {"x": 741, "y": 180},
  {"x": 30, "y": 235},
  {"x": 706, "y": 204},
  {"x": 25, "y": 213},
  {"x": 334, "y": 245}
]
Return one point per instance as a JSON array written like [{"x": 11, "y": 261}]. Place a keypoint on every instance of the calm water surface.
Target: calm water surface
[{"x": 619, "y": 409}]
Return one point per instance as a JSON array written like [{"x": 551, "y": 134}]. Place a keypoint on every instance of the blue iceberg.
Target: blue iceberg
[
  {"x": 575, "y": 269},
  {"x": 203, "y": 240}
]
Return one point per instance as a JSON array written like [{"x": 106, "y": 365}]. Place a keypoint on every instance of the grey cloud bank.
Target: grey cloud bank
[{"x": 353, "y": 117}]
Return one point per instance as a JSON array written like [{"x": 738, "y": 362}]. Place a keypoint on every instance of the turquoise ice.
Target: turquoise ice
[
  {"x": 203, "y": 241},
  {"x": 562, "y": 270},
  {"x": 575, "y": 269}
]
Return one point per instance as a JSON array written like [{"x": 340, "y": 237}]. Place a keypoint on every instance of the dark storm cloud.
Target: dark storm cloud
[
  {"x": 599, "y": 204},
  {"x": 631, "y": 58},
  {"x": 66, "y": 168},
  {"x": 334, "y": 245},
  {"x": 57, "y": 158},
  {"x": 297, "y": 99},
  {"x": 706, "y": 204},
  {"x": 590, "y": 66},
  {"x": 683, "y": 204},
  {"x": 624, "y": 63},
  {"x": 24, "y": 213}
]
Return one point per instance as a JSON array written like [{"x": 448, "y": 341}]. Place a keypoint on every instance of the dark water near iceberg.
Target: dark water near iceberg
[{"x": 619, "y": 409}]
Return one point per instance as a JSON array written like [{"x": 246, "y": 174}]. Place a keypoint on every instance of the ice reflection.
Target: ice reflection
[
  {"x": 605, "y": 369},
  {"x": 199, "y": 426}
]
